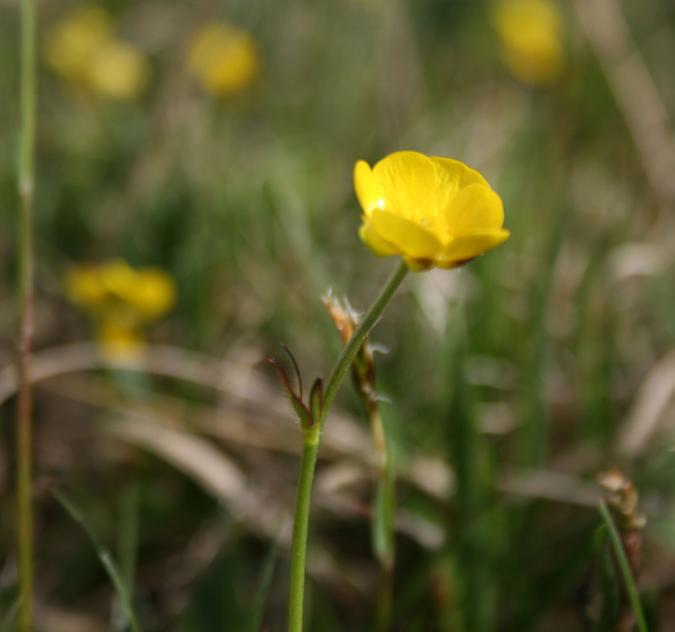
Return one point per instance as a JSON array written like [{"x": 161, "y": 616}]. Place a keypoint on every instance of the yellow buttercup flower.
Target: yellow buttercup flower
[
  {"x": 84, "y": 51},
  {"x": 434, "y": 212},
  {"x": 532, "y": 38},
  {"x": 223, "y": 58},
  {"x": 121, "y": 300}
]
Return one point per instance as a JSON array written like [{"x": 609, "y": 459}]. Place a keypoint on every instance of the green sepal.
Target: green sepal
[
  {"x": 316, "y": 399},
  {"x": 303, "y": 413}
]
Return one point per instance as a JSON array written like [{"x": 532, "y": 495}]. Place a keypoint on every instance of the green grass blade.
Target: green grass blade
[
  {"x": 470, "y": 533},
  {"x": 127, "y": 546},
  {"x": 384, "y": 509},
  {"x": 624, "y": 567},
  {"x": 128, "y": 531},
  {"x": 383, "y": 527},
  {"x": 264, "y": 585},
  {"x": 609, "y": 589},
  {"x": 106, "y": 560}
]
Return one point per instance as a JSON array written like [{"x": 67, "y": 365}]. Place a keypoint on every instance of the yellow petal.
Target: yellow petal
[
  {"x": 368, "y": 190},
  {"x": 414, "y": 187},
  {"x": 458, "y": 174},
  {"x": 372, "y": 239},
  {"x": 406, "y": 237},
  {"x": 475, "y": 209},
  {"x": 467, "y": 247}
]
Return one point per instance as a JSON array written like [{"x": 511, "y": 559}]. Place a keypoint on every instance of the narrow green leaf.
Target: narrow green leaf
[
  {"x": 128, "y": 533},
  {"x": 316, "y": 399},
  {"x": 384, "y": 508},
  {"x": 127, "y": 547},
  {"x": 383, "y": 517},
  {"x": 624, "y": 567},
  {"x": 105, "y": 558},
  {"x": 607, "y": 578},
  {"x": 264, "y": 585}
]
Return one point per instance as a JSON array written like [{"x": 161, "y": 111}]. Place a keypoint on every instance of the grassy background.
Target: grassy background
[{"x": 510, "y": 384}]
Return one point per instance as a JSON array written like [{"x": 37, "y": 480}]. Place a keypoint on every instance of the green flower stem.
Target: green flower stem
[
  {"x": 365, "y": 325},
  {"x": 311, "y": 445},
  {"x": 25, "y": 282},
  {"x": 300, "y": 527}
]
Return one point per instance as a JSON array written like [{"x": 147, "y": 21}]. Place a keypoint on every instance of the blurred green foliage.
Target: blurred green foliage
[{"x": 525, "y": 363}]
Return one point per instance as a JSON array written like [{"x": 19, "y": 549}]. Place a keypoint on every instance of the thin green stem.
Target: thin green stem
[
  {"x": 311, "y": 445},
  {"x": 300, "y": 528},
  {"x": 365, "y": 325},
  {"x": 25, "y": 282},
  {"x": 624, "y": 567}
]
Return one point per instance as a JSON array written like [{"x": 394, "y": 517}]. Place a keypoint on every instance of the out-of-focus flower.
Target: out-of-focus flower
[
  {"x": 84, "y": 51},
  {"x": 118, "y": 340},
  {"x": 531, "y": 34},
  {"x": 152, "y": 294},
  {"x": 121, "y": 300},
  {"x": 72, "y": 41},
  {"x": 223, "y": 58},
  {"x": 118, "y": 71},
  {"x": 434, "y": 212}
]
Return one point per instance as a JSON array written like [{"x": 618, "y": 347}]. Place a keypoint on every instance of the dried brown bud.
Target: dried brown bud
[
  {"x": 343, "y": 316},
  {"x": 622, "y": 497}
]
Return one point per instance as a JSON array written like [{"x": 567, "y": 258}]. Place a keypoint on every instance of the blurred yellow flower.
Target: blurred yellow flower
[
  {"x": 223, "y": 58},
  {"x": 434, "y": 212},
  {"x": 84, "y": 287},
  {"x": 71, "y": 42},
  {"x": 117, "y": 70},
  {"x": 120, "y": 300},
  {"x": 84, "y": 51},
  {"x": 119, "y": 340},
  {"x": 152, "y": 294},
  {"x": 531, "y": 33}
]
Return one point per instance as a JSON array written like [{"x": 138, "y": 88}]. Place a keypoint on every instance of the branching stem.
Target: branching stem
[{"x": 311, "y": 445}]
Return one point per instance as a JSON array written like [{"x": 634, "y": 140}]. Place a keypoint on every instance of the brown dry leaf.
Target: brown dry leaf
[
  {"x": 650, "y": 407},
  {"x": 188, "y": 453}
]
